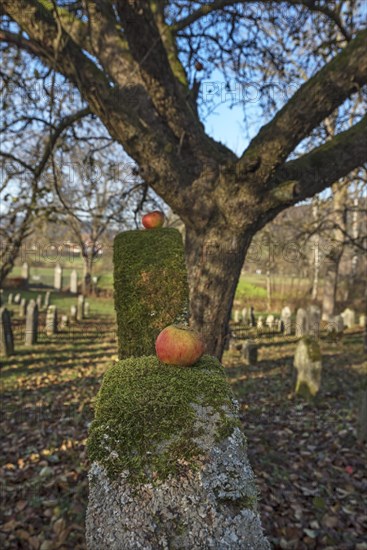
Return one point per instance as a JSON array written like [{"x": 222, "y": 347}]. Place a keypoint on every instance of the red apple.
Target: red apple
[
  {"x": 153, "y": 220},
  {"x": 179, "y": 345}
]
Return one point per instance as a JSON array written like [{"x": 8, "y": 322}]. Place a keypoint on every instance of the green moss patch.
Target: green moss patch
[
  {"x": 144, "y": 419},
  {"x": 151, "y": 289}
]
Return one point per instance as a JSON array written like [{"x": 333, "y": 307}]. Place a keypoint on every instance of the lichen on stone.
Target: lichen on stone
[{"x": 147, "y": 417}]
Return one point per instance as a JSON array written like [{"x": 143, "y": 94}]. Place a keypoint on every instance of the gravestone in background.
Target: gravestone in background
[
  {"x": 23, "y": 308},
  {"x": 313, "y": 321},
  {"x": 10, "y": 298},
  {"x": 39, "y": 302},
  {"x": 31, "y": 325},
  {"x": 73, "y": 313},
  {"x": 87, "y": 309},
  {"x": 249, "y": 352},
  {"x": 362, "y": 321},
  {"x": 349, "y": 318},
  {"x": 58, "y": 277},
  {"x": 51, "y": 320},
  {"x": 74, "y": 282},
  {"x": 17, "y": 298},
  {"x": 307, "y": 361},
  {"x": 236, "y": 316},
  {"x": 47, "y": 299},
  {"x": 80, "y": 308},
  {"x": 25, "y": 271},
  {"x": 301, "y": 323},
  {"x": 270, "y": 321},
  {"x": 285, "y": 317},
  {"x": 6, "y": 333},
  {"x": 64, "y": 321}
]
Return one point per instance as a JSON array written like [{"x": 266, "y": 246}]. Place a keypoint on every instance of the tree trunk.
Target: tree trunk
[
  {"x": 338, "y": 217},
  {"x": 316, "y": 258},
  {"x": 214, "y": 259},
  {"x": 87, "y": 274},
  {"x": 331, "y": 286}
]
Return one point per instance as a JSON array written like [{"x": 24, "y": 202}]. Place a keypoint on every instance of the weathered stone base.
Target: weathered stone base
[{"x": 211, "y": 508}]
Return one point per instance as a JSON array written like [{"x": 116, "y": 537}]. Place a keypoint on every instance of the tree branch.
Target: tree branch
[
  {"x": 317, "y": 170},
  {"x": 308, "y": 107}
]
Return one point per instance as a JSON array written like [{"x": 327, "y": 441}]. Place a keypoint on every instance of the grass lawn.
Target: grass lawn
[{"x": 311, "y": 471}]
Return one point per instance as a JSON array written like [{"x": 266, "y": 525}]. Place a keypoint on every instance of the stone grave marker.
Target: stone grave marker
[
  {"x": 73, "y": 313},
  {"x": 10, "y": 298},
  {"x": 236, "y": 316},
  {"x": 86, "y": 309},
  {"x": 17, "y": 298},
  {"x": 25, "y": 271},
  {"x": 307, "y": 361},
  {"x": 335, "y": 324},
  {"x": 51, "y": 321},
  {"x": 31, "y": 325},
  {"x": 301, "y": 323},
  {"x": 285, "y": 317},
  {"x": 58, "y": 277},
  {"x": 249, "y": 352},
  {"x": 74, "y": 282},
  {"x": 23, "y": 308},
  {"x": 64, "y": 321},
  {"x": 47, "y": 299},
  {"x": 270, "y": 321},
  {"x": 244, "y": 315},
  {"x": 6, "y": 333},
  {"x": 362, "y": 321},
  {"x": 349, "y": 318},
  {"x": 313, "y": 321},
  {"x": 80, "y": 307},
  {"x": 39, "y": 302},
  {"x": 260, "y": 323}
]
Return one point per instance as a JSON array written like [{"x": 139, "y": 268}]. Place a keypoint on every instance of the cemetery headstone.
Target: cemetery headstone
[
  {"x": 51, "y": 320},
  {"x": 23, "y": 307},
  {"x": 244, "y": 315},
  {"x": 313, "y": 321},
  {"x": 25, "y": 271},
  {"x": 80, "y": 307},
  {"x": 58, "y": 277},
  {"x": 349, "y": 318},
  {"x": 301, "y": 323},
  {"x": 47, "y": 299},
  {"x": 139, "y": 475},
  {"x": 252, "y": 317},
  {"x": 10, "y": 298},
  {"x": 362, "y": 321},
  {"x": 260, "y": 323},
  {"x": 153, "y": 295},
  {"x": 335, "y": 324},
  {"x": 285, "y": 317},
  {"x": 73, "y": 313},
  {"x": 31, "y": 325},
  {"x": 270, "y": 321},
  {"x": 307, "y": 361},
  {"x": 144, "y": 468},
  {"x": 249, "y": 352},
  {"x": 64, "y": 321},
  {"x": 17, "y": 298},
  {"x": 87, "y": 309},
  {"x": 278, "y": 325},
  {"x": 6, "y": 333},
  {"x": 236, "y": 316},
  {"x": 39, "y": 302},
  {"x": 74, "y": 282}
]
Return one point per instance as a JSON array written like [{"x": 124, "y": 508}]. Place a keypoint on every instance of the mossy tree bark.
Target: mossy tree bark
[{"x": 143, "y": 97}]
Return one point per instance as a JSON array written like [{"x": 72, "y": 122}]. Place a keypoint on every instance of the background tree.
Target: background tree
[{"x": 136, "y": 66}]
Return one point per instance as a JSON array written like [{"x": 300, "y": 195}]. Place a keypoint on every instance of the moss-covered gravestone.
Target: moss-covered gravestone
[
  {"x": 151, "y": 288},
  {"x": 169, "y": 462},
  {"x": 307, "y": 361}
]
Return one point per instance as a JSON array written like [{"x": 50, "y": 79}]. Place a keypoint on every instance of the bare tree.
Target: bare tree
[{"x": 138, "y": 66}]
